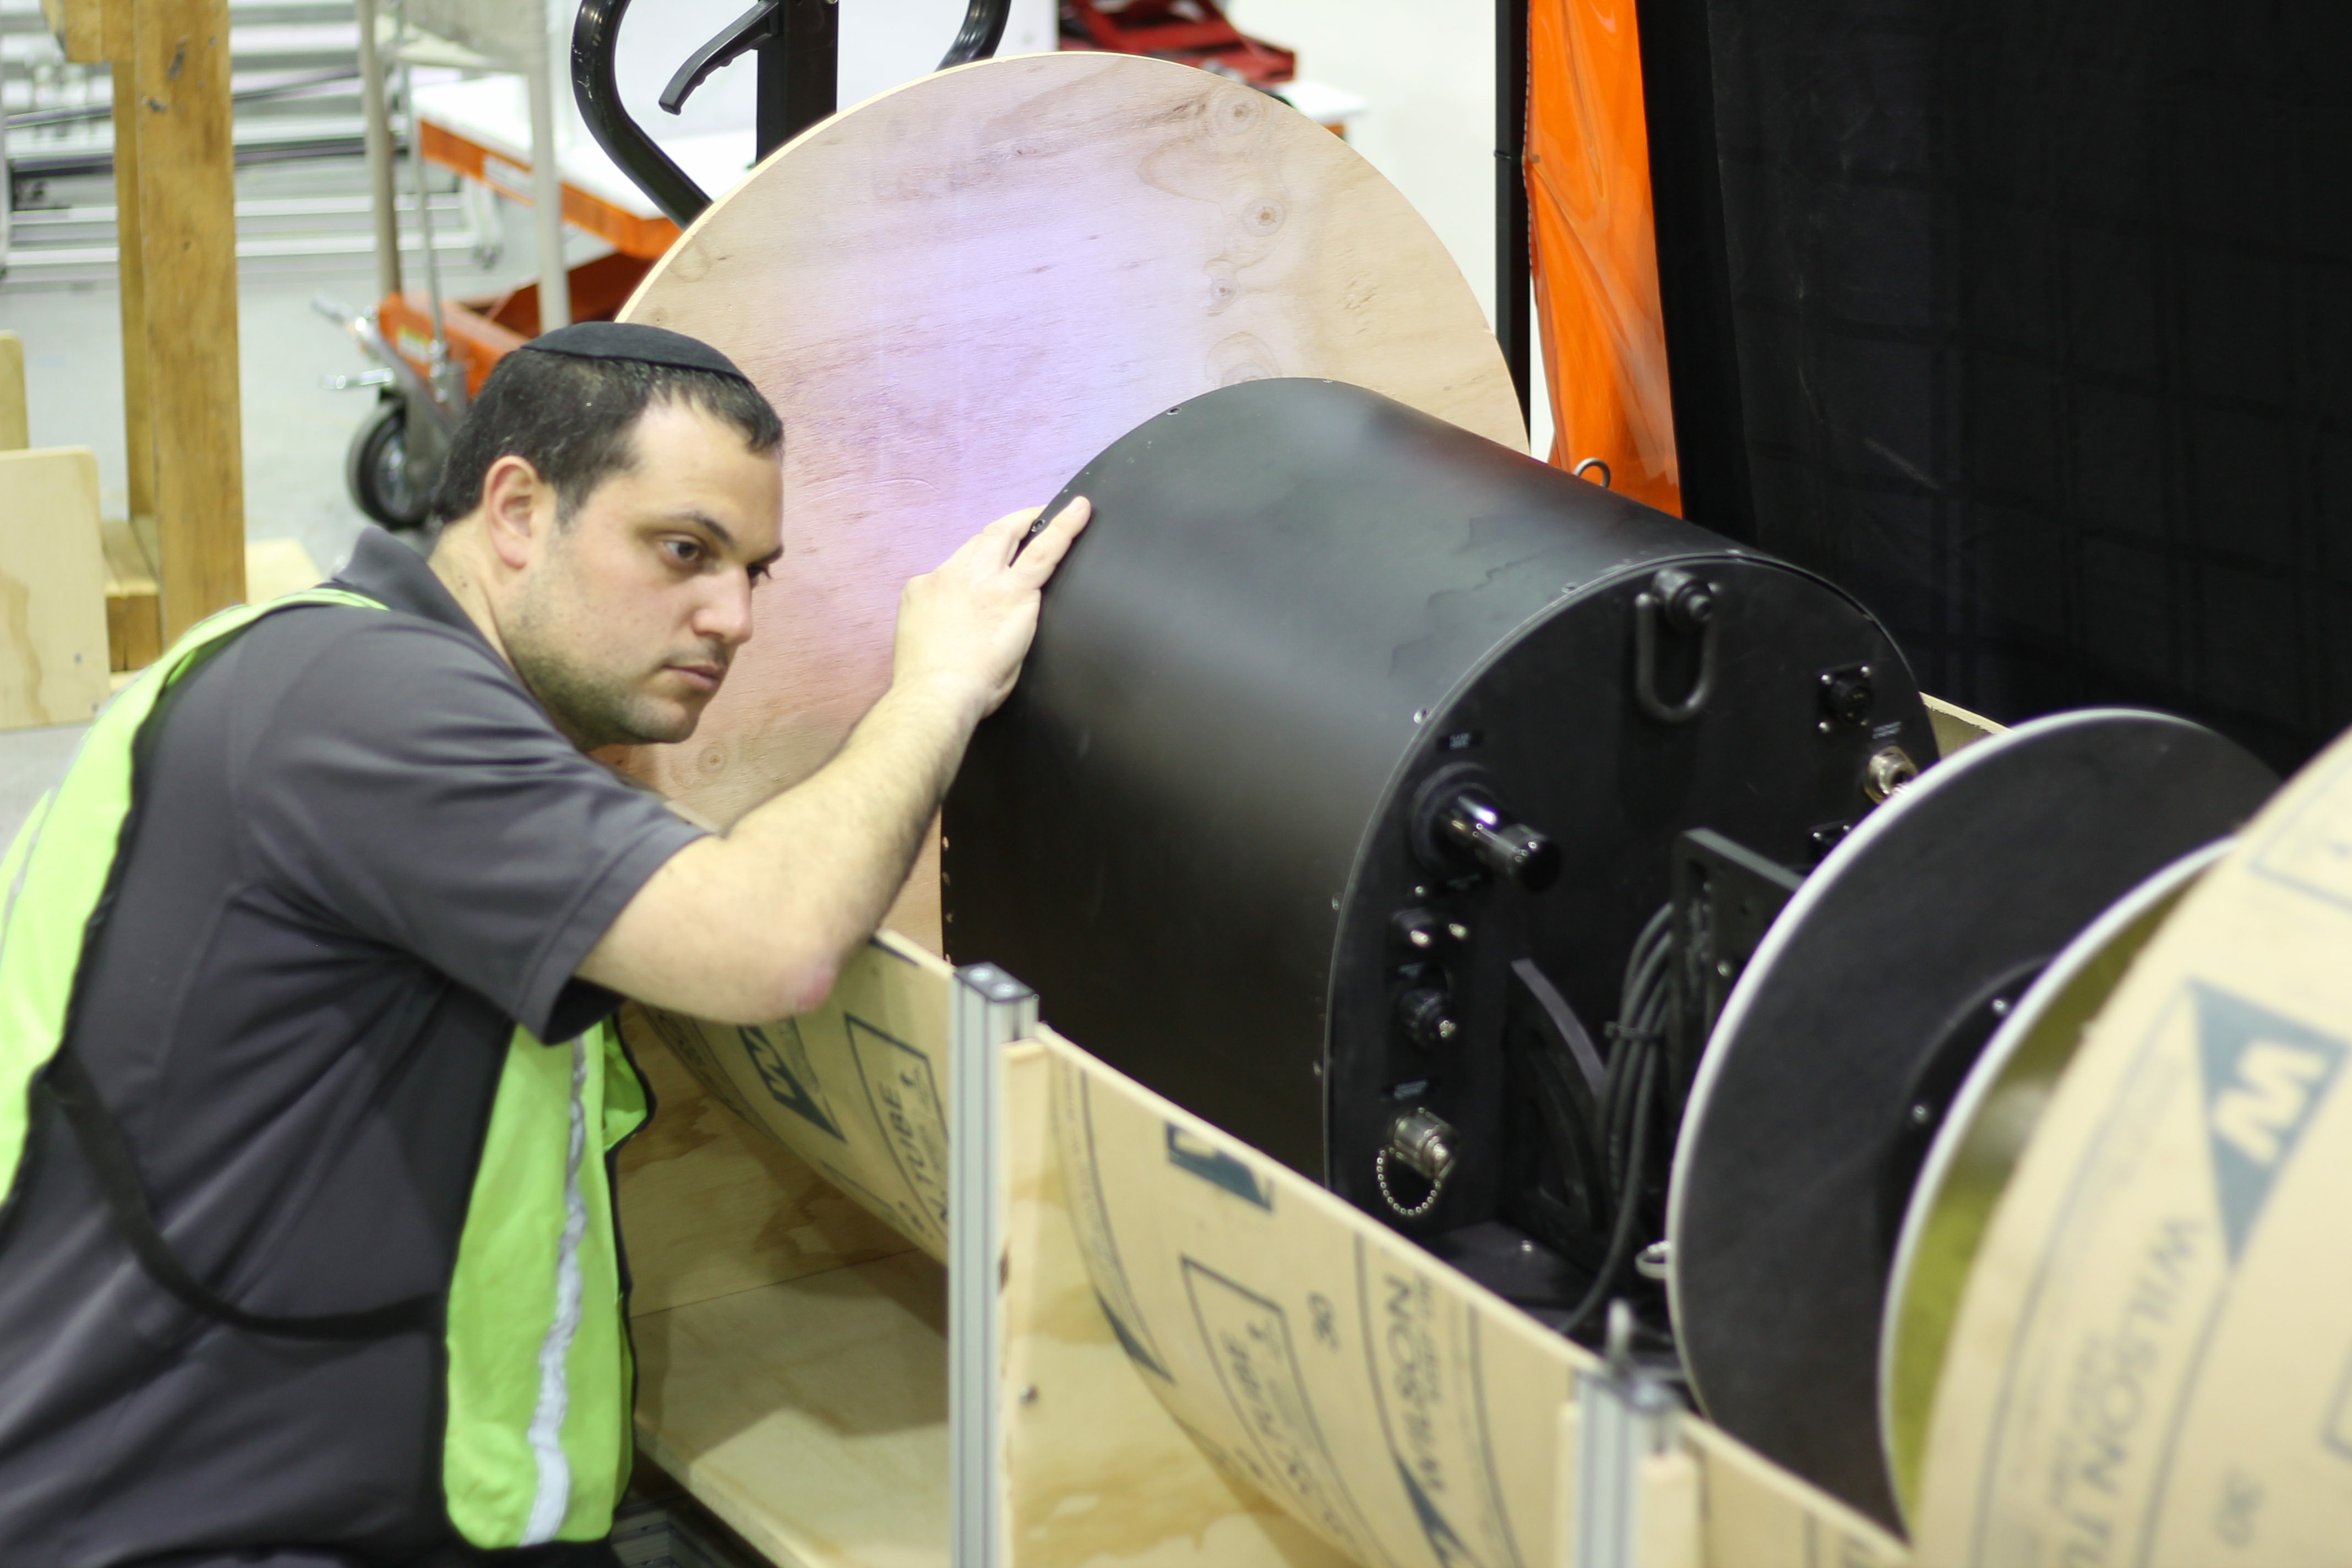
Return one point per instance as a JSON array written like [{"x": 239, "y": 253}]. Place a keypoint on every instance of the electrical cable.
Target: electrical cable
[
  {"x": 1621, "y": 1236},
  {"x": 1642, "y": 1005}
]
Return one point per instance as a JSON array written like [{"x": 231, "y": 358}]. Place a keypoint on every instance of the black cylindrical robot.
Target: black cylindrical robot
[{"x": 1343, "y": 777}]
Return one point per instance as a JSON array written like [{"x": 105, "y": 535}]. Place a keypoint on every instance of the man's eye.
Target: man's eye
[
  {"x": 684, "y": 552},
  {"x": 757, "y": 571}
]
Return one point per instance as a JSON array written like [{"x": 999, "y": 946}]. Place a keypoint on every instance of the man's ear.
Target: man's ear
[{"x": 518, "y": 507}]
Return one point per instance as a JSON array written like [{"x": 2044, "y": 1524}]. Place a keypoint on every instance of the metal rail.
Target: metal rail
[{"x": 989, "y": 1011}]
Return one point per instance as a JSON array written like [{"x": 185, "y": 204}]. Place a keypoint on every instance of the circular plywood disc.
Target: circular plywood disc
[
  {"x": 958, "y": 293},
  {"x": 1980, "y": 1143},
  {"x": 2152, "y": 1360},
  {"x": 1967, "y": 881}
]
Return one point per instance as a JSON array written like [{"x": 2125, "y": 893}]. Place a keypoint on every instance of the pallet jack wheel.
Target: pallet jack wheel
[{"x": 376, "y": 469}]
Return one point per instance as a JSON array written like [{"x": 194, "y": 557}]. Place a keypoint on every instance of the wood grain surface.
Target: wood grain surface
[
  {"x": 959, "y": 292},
  {"x": 710, "y": 1205},
  {"x": 53, "y": 655},
  {"x": 1209, "y": 1361},
  {"x": 179, "y": 189},
  {"x": 811, "y": 1413}
]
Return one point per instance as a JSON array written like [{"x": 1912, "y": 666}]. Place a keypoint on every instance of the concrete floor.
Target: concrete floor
[{"x": 30, "y": 761}]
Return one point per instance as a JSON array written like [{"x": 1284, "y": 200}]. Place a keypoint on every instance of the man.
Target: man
[{"x": 307, "y": 1257}]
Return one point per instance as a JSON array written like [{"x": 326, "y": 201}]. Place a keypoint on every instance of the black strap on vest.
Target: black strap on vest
[{"x": 68, "y": 1083}]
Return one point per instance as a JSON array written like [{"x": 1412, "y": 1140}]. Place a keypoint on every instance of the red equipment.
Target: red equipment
[{"x": 1190, "y": 32}]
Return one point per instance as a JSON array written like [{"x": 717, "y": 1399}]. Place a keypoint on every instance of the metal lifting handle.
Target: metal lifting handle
[
  {"x": 593, "y": 36},
  {"x": 597, "y": 33},
  {"x": 982, "y": 30},
  {"x": 1688, "y": 605}
]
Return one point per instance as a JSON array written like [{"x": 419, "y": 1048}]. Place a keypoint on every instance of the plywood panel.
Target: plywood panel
[
  {"x": 710, "y": 1205},
  {"x": 1406, "y": 1414},
  {"x": 812, "y": 1414},
  {"x": 1955, "y": 726},
  {"x": 276, "y": 567},
  {"x": 53, "y": 653},
  {"x": 1754, "y": 1514},
  {"x": 1098, "y": 1471},
  {"x": 1208, "y": 1359},
  {"x": 959, "y": 292},
  {"x": 858, "y": 1089}
]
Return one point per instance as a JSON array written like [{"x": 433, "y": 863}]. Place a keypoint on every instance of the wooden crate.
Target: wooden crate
[{"x": 1207, "y": 1359}]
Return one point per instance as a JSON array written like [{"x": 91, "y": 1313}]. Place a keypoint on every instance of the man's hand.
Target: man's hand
[
  {"x": 755, "y": 925},
  {"x": 964, "y": 628}
]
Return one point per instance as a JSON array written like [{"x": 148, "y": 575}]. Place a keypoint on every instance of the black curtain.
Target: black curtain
[{"x": 2029, "y": 322}]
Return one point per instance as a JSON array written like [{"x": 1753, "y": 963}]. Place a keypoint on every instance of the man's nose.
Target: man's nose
[{"x": 724, "y": 615}]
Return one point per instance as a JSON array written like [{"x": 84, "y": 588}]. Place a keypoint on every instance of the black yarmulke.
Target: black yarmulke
[{"x": 634, "y": 341}]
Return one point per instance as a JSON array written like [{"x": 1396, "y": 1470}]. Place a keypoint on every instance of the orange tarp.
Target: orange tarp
[{"x": 1596, "y": 262}]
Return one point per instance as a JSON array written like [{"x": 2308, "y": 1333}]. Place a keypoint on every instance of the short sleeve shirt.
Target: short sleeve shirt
[{"x": 361, "y": 855}]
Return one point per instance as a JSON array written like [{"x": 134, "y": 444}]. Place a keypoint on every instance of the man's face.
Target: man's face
[{"x": 627, "y": 616}]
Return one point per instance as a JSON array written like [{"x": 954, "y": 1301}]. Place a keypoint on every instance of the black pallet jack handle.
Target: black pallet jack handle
[{"x": 797, "y": 42}]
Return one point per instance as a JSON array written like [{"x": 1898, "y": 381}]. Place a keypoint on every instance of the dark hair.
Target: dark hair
[{"x": 574, "y": 420}]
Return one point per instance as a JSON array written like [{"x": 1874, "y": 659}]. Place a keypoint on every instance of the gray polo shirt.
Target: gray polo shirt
[{"x": 360, "y": 853}]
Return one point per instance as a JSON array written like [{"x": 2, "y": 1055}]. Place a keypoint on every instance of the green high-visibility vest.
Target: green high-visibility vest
[{"x": 537, "y": 1443}]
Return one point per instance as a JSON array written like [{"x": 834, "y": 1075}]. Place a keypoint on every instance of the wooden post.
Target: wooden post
[
  {"x": 139, "y": 439},
  {"x": 182, "y": 191}
]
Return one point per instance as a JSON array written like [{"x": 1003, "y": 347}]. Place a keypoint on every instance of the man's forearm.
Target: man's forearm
[
  {"x": 756, "y": 924},
  {"x": 838, "y": 846}
]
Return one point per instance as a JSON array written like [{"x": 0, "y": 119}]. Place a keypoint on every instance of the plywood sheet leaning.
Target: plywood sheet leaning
[
  {"x": 2151, "y": 1362},
  {"x": 959, "y": 292},
  {"x": 53, "y": 653},
  {"x": 1404, "y": 1414}
]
